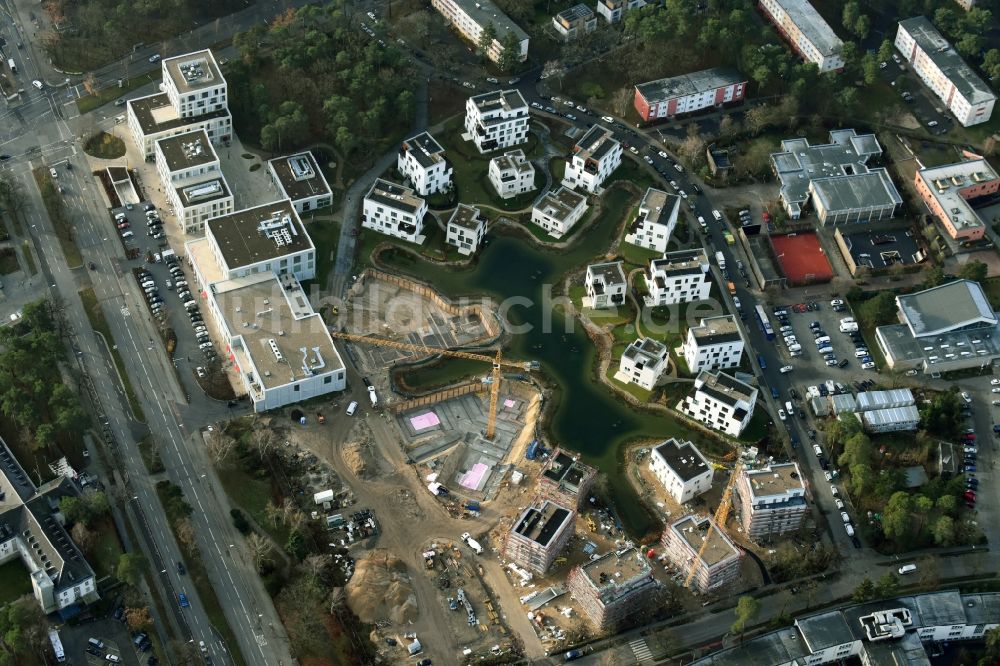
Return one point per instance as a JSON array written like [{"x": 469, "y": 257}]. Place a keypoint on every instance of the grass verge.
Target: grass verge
[
  {"x": 29, "y": 258},
  {"x": 251, "y": 495},
  {"x": 150, "y": 456},
  {"x": 106, "y": 550},
  {"x": 88, "y": 103},
  {"x": 60, "y": 219},
  {"x": 100, "y": 324}
]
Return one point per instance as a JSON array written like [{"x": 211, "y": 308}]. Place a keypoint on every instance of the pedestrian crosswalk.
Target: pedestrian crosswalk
[{"x": 640, "y": 650}]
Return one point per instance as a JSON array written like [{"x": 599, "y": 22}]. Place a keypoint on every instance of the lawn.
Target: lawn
[
  {"x": 104, "y": 146},
  {"x": 756, "y": 430},
  {"x": 633, "y": 254},
  {"x": 88, "y": 103},
  {"x": 59, "y": 217},
  {"x": 100, "y": 324},
  {"x": 251, "y": 496},
  {"x": 637, "y": 392},
  {"x": 103, "y": 555},
  {"x": 8, "y": 261},
  {"x": 325, "y": 235},
  {"x": 15, "y": 581},
  {"x": 29, "y": 258}
]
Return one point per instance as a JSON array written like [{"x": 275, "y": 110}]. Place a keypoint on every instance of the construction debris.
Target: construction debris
[{"x": 380, "y": 588}]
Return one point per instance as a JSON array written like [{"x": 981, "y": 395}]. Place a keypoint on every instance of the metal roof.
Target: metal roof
[{"x": 961, "y": 304}]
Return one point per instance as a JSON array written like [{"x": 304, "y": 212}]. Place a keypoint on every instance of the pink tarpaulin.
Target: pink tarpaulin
[
  {"x": 508, "y": 403},
  {"x": 474, "y": 476},
  {"x": 424, "y": 421}
]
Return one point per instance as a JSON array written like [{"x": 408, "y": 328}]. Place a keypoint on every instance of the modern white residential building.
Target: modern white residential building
[
  {"x": 594, "y": 158},
  {"x": 511, "y": 174},
  {"x": 32, "y": 530},
  {"x": 682, "y": 470},
  {"x": 421, "y": 161},
  {"x": 678, "y": 277},
  {"x": 466, "y": 229},
  {"x": 716, "y": 343},
  {"x": 497, "y": 119},
  {"x": 942, "y": 70},
  {"x": 771, "y": 500},
  {"x": 194, "y": 97},
  {"x": 605, "y": 285},
  {"x": 809, "y": 35},
  {"x": 299, "y": 178},
  {"x": 557, "y": 211},
  {"x": 719, "y": 561},
  {"x": 643, "y": 363},
  {"x": 655, "y": 221},
  {"x": 395, "y": 211},
  {"x": 248, "y": 267},
  {"x": 575, "y": 22},
  {"x": 192, "y": 179},
  {"x": 613, "y": 10},
  {"x": 720, "y": 401},
  {"x": 470, "y": 18},
  {"x": 687, "y": 93}
]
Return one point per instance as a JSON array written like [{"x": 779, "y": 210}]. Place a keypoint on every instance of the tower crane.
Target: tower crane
[
  {"x": 496, "y": 361},
  {"x": 721, "y": 515}
]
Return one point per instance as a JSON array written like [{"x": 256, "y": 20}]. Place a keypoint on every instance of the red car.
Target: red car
[
  {"x": 969, "y": 437},
  {"x": 970, "y": 495}
]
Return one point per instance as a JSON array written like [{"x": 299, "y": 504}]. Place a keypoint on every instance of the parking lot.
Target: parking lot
[
  {"x": 921, "y": 102},
  {"x": 114, "y": 639},
  {"x": 835, "y": 359}
]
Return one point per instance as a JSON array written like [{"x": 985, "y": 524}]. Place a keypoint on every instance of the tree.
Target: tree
[
  {"x": 943, "y": 531},
  {"x": 992, "y": 638},
  {"x": 884, "y": 50},
  {"x": 486, "y": 38},
  {"x": 896, "y": 519},
  {"x": 969, "y": 45},
  {"x": 728, "y": 128},
  {"x": 865, "y": 591},
  {"x": 746, "y": 609},
  {"x": 852, "y": 10},
  {"x": 862, "y": 480},
  {"x": 186, "y": 536},
  {"x": 756, "y": 119},
  {"x": 510, "y": 53},
  {"x": 857, "y": 451},
  {"x": 23, "y": 630},
  {"x": 130, "y": 568},
  {"x": 869, "y": 68},
  {"x": 887, "y": 585},
  {"x": 991, "y": 63},
  {"x": 12, "y": 193},
  {"x": 219, "y": 444},
  {"x": 973, "y": 270},
  {"x": 260, "y": 549},
  {"x": 82, "y": 536},
  {"x": 138, "y": 619},
  {"x": 943, "y": 415},
  {"x": 862, "y": 26},
  {"x": 947, "y": 503}
]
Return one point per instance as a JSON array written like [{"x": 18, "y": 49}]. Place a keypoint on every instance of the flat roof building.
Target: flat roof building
[
  {"x": 269, "y": 238},
  {"x": 566, "y": 480},
  {"x": 470, "y": 18},
  {"x": 715, "y": 343},
  {"x": 687, "y": 93},
  {"x": 771, "y": 500},
  {"x": 394, "y": 210},
  {"x": 942, "y": 70},
  {"x": 655, "y": 221},
  {"x": 643, "y": 363},
  {"x": 192, "y": 178},
  {"x": 511, "y": 174},
  {"x": 299, "y": 178},
  {"x": 595, "y": 157},
  {"x": 496, "y": 120},
  {"x": 720, "y": 401},
  {"x": 836, "y": 178},
  {"x": 678, "y": 277},
  {"x": 539, "y": 535},
  {"x": 613, "y": 587},
  {"x": 557, "y": 211},
  {"x": 466, "y": 229},
  {"x": 421, "y": 161},
  {"x": 807, "y": 33},
  {"x": 717, "y": 566},
  {"x": 575, "y": 22},
  {"x": 612, "y": 10},
  {"x": 949, "y": 191},
  {"x": 605, "y": 284},
  {"x": 681, "y": 469}
]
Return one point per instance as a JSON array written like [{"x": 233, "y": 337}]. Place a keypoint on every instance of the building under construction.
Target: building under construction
[
  {"x": 538, "y": 535},
  {"x": 615, "y": 585},
  {"x": 719, "y": 560},
  {"x": 566, "y": 480},
  {"x": 772, "y": 500}
]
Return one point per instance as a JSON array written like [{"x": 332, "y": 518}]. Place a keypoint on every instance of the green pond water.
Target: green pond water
[{"x": 588, "y": 417}]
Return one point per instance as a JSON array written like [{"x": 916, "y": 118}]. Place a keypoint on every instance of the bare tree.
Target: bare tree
[
  {"x": 186, "y": 536},
  {"x": 316, "y": 565},
  {"x": 621, "y": 101},
  {"x": 138, "y": 618},
  {"x": 82, "y": 536},
  {"x": 90, "y": 84},
  {"x": 220, "y": 445},
  {"x": 263, "y": 440},
  {"x": 274, "y": 513},
  {"x": 11, "y": 193},
  {"x": 288, "y": 510},
  {"x": 260, "y": 549},
  {"x": 757, "y": 118}
]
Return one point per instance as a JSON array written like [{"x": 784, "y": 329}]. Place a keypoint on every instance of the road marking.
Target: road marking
[
  {"x": 641, "y": 650},
  {"x": 125, "y": 311}
]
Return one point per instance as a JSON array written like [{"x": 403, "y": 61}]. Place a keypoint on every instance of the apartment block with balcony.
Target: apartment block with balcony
[
  {"x": 613, "y": 587},
  {"x": 575, "y": 22},
  {"x": 595, "y": 157},
  {"x": 655, "y": 221},
  {"x": 511, "y": 174},
  {"x": 613, "y": 11},
  {"x": 678, "y": 277},
  {"x": 496, "y": 120},
  {"x": 718, "y": 564},
  {"x": 466, "y": 229},
  {"x": 688, "y": 93},
  {"x": 721, "y": 402},
  {"x": 557, "y": 211},
  {"x": 968, "y": 97},
  {"x": 771, "y": 500},
  {"x": 566, "y": 480},
  {"x": 715, "y": 343},
  {"x": 421, "y": 161},
  {"x": 949, "y": 192},
  {"x": 470, "y": 18},
  {"x": 806, "y": 31},
  {"x": 538, "y": 536},
  {"x": 394, "y": 210},
  {"x": 681, "y": 469},
  {"x": 605, "y": 285},
  {"x": 643, "y": 363}
]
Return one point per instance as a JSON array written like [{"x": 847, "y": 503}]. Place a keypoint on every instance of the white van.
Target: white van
[
  {"x": 353, "y": 407},
  {"x": 717, "y": 215},
  {"x": 907, "y": 569},
  {"x": 127, "y": 234},
  {"x": 822, "y": 340},
  {"x": 849, "y": 529},
  {"x": 789, "y": 407},
  {"x": 99, "y": 644},
  {"x": 818, "y": 451}
]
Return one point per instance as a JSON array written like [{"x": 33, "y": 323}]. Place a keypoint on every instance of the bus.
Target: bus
[
  {"x": 57, "y": 646},
  {"x": 765, "y": 323}
]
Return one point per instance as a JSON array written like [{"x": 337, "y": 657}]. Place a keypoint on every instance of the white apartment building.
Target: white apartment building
[
  {"x": 717, "y": 562},
  {"x": 594, "y": 158},
  {"x": 678, "y": 277},
  {"x": 194, "y": 97},
  {"x": 716, "y": 343},
  {"x": 575, "y": 22},
  {"x": 655, "y": 221},
  {"x": 299, "y": 178},
  {"x": 395, "y": 211},
  {"x": 682, "y": 470},
  {"x": 942, "y": 70},
  {"x": 613, "y": 10},
  {"x": 557, "y": 211},
  {"x": 497, "y": 119},
  {"x": 248, "y": 267},
  {"x": 605, "y": 285},
  {"x": 720, "y": 401},
  {"x": 771, "y": 500},
  {"x": 511, "y": 174},
  {"x": 466, "y": 229},
  {"x": 643, "y": 363},
  {"x": 809, "y": 35},
  {"x": 470, "y": 17},
  {"x": 421, "y": 161},
  {"x": 192, "y": 180}
]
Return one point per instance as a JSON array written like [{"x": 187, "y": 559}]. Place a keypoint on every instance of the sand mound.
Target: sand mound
[
  {"x": 380, "y": 589},
  {"x": 356, "y": 459}
]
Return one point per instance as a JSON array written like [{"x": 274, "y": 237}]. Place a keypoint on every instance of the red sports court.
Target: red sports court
[{"x": 801, "y": 258}]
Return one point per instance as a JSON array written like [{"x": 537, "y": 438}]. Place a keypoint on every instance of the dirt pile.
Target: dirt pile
[
  {"x": 357, "y": 452},
  {"x": 380, "y": 589}
]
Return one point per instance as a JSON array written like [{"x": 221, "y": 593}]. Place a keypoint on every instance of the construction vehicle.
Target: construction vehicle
[
  {"x": 721, "y": 515},
  {"x": 320, "y": 419},
  {"x": 497, "y": 362}
]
